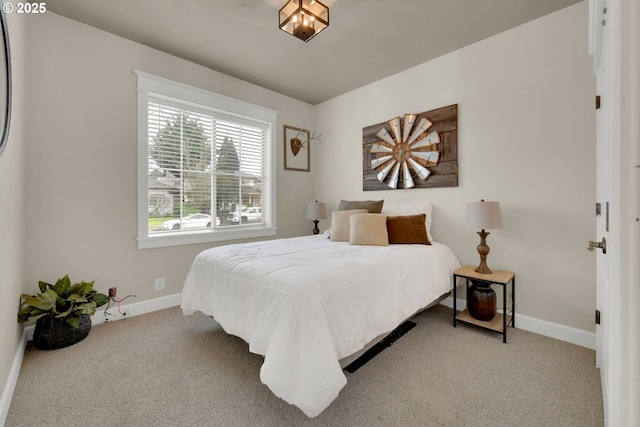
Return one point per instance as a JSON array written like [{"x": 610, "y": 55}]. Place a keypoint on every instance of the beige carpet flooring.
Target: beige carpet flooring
[{"x": 165, "y": 369}]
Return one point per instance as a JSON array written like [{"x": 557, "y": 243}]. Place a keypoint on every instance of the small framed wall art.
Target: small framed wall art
[{"x": 297, "y": 150}]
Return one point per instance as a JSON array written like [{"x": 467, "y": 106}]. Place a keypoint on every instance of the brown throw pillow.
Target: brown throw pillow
[
  {"x": 372, "y": 206},
  {"x": 409, "y": 229}
]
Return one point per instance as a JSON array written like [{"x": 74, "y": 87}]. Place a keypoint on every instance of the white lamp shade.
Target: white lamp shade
[
  {"x": 316, "y": 210},
  {"x": 483, "y": 216}
]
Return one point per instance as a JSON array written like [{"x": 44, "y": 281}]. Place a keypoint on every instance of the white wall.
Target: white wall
[
  {"x": 12, "y": 208},
  {"x": 526, "y": 137},
  {"x": 81, "y": 184}
]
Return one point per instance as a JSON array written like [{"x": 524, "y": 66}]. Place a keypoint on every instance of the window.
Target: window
[{"x": 206, "y": 166}]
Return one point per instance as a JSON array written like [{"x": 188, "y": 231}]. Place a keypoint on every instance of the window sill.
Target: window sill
[{"x": 178, "y": 239}]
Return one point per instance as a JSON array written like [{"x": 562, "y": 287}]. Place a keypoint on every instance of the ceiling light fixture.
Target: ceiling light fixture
[{"x": 304, "y": 19}]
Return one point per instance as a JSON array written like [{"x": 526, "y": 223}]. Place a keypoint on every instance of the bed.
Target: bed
[{"x": 306, "y": 303}]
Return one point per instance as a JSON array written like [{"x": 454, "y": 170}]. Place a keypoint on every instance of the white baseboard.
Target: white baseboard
[
  {"x": 142, "y": 307},
  {"x": 133, "y": 309},
  {"x": 12, "y": 380},
  {"x": 542, "y": 327}
]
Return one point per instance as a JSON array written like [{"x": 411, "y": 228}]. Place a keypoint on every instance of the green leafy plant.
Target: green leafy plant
[{"x": 62, "y": 300}]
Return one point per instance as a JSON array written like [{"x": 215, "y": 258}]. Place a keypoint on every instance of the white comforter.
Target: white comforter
[{"x": 306, "y": 302}]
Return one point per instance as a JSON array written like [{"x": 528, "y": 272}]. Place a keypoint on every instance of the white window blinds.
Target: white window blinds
[{"x": 208, "y": 171}]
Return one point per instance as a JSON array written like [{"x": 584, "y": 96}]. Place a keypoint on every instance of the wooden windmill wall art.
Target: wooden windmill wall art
[{"x": 417, "y": 151}]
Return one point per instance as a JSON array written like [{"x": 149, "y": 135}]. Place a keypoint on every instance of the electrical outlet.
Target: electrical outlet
[
  {"x": 159, "y": 283},
  {"x": 112, "y": 292}
]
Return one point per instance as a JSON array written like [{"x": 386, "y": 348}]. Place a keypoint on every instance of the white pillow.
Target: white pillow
[{"x": 410, "y": 208}]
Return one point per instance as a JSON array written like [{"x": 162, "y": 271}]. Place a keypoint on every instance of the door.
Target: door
[{"x": 605, "y": 46}]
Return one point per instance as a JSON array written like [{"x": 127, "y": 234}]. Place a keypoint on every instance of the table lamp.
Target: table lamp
[
  {"x": 481, "y": 299},
  {"x": 483, "y": 216},
  {"x": 316, "y": 211}
]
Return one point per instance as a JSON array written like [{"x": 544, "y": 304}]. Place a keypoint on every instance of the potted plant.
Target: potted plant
[{"x": 62, "y": 312}]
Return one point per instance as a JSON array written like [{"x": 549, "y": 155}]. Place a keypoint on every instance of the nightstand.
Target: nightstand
[{"x": 499, "y": 277}]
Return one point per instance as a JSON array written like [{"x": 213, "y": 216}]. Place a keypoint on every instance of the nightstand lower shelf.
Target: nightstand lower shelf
[
  {"x": 498, "y": 277},
  {"x": 495, "y": 324}
]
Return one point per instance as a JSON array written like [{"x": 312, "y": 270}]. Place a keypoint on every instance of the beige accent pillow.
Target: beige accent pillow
[
  {"x": 368, "y": 229},
  {"x": 340, "y": 224},
  {"x": 409, "y": 229},
  {"x": 372, "y": 206}
]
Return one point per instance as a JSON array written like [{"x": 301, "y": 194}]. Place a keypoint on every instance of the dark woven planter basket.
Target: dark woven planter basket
[{"x": 52, "y": 333}]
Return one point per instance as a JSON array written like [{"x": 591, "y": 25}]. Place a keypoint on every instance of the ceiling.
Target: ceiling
[{"x": 367, "y": 40}]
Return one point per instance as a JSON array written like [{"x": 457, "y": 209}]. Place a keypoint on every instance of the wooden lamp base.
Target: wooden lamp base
[{"x": 483, "y": 250}]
